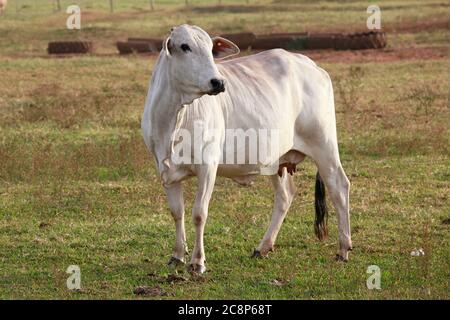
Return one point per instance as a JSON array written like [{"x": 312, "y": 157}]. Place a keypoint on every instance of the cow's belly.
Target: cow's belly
[
  {"x": 242, "y": 174},
  {"x": 236, "y": 170}
]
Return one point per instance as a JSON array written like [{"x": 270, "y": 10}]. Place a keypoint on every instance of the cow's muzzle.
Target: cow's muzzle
[{"x": 217, "y": 86}]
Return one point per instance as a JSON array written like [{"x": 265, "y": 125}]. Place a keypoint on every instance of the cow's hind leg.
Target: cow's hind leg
[
  {"x": 333, "y": 175},
  {"x": 284, "y": 194},
  {"x": 176, "y": 203}
]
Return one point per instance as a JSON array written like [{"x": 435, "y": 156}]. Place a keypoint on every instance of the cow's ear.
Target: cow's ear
[
  {"x": 167, "y": 46},
  {"x": 223, "y": 48}
]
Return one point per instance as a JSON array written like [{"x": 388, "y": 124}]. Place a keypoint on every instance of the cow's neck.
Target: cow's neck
[{"x": 166, "y": 102}]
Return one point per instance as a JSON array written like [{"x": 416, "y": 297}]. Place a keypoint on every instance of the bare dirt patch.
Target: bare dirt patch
[
  {"x": 408, "y": 26},
  {"x": 150, "y": 291},
  {"x": 236, "y": 8},
  {"x": 419, "y": 26},
  {"x": 376, "y": 55}
]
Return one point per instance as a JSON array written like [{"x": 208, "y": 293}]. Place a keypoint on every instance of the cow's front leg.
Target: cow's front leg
[
  {"x": 206, "y": 178},
  {"x": 284, "y": 193},
  {"x": 176, "y": 203}
]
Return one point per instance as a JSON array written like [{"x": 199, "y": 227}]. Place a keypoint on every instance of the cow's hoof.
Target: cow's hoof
[
  {"x": 175, "y": 262},
  {"x": 262, "y": 253},
  {"x": 258, "y": 254},
  {"x": 194, "y": 268},
  {"x": 341, "y": 258}
]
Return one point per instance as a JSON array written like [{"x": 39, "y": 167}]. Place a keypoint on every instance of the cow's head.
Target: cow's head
[{"x": 191, "y": 53}]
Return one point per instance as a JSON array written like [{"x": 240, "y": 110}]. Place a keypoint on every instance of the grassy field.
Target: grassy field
[{"x": 78, "y": 187}]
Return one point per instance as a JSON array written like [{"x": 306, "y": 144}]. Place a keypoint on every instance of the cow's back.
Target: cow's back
[{"x": 272, "y": 88}]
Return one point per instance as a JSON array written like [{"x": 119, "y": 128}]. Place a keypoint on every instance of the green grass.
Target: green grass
[
  {"x": 94, "y": 191},
  {"x": 77, "y": 185}
]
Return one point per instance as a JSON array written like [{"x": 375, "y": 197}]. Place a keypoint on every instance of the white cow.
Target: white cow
[
  {"x": 275, "y": 90},
  {"x": 3, "y": 4}
]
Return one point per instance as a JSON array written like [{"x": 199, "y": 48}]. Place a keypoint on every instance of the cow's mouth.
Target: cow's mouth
[{"x": 216, "y": 91}]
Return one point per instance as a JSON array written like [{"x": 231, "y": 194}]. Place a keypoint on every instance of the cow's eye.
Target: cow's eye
[{"x": 185, "y": 47}]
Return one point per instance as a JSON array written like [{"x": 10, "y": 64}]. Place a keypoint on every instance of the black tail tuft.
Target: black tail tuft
[{"x": 320, "y": 203}]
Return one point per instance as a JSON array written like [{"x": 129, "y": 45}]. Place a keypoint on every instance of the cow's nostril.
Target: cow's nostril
[{"x": 216, "y": 83}]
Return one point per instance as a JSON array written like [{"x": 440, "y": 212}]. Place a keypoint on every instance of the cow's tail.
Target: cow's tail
[{"x": 320, "y": 224}]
